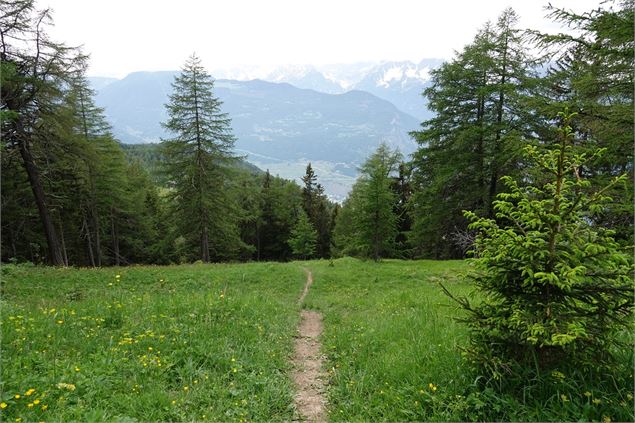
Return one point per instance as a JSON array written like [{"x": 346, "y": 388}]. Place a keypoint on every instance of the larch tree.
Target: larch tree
[
  {"x": 591, "y": 73},
  {"x": 198, "y": 160},
  {"x": 474, "y": 137},
  {"x": 35, "y": 73}
]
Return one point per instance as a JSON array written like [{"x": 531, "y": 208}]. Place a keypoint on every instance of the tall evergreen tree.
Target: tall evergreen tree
[
  {"x": 367, "y": 222},
  {"x": 303, "y": 238},
  {"x": 474, "y": 137},
  {"x": 198, "y": 162},
  {"x": 401, "y": 186},
  {"x": 318, "y": 209}
]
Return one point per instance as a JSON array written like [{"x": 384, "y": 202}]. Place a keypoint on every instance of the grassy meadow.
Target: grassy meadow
[{"x": 213, "y": 342}]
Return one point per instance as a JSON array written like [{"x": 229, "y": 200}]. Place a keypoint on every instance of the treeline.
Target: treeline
[
  {"x": 491, "y": 100},
  {"x": 72, "y": 195}
]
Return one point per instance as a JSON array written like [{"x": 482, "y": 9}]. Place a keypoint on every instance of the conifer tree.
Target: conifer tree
[
  {"x": 318, "y": 209},
  {"x": 377, "y": 221},
  {"x": 35, "y": 72},
  {"x": 280, "y": 200},
  {"x": 303, "y": 237},
  {"x": 556, "y": 288},
  {"x": 198, "y": 162},
  {"x": 474, "y": 137},
  {"x": 591, "y": 72}
]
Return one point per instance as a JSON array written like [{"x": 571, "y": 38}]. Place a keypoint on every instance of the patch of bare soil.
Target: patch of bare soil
[{"x": 307, "y": 364}]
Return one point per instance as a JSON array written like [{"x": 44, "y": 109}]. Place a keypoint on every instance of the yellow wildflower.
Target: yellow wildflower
[
  {"x": 17, "y": 396},
  {"x": 587, "y": 394},
  {"x": 606, "y": 419},
  {"x": 432, "y": 387},
  {"x": 36, "y": 402},
  {"x": 30, "y": 405},
  {"x": 29, "y": 392},
  {"x": 77, "y": 369},
  {"x": 59, "y": 322},
  {"x": 68, "y": 386},
  {"x": 3, "y": 405},
  {"x": 596, "y": 401},
  {"x": 186, "y": 388},
  {"x": 564, "y": 398},
  {"x": 629, "y": 396},
  {"x": 44, "y": 407}
]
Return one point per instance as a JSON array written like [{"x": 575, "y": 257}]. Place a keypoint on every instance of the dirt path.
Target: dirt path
[{"x": 307, "y": 363}]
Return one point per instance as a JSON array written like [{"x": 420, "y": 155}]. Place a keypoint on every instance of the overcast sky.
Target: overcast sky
[{"x": 124, "y": 36}]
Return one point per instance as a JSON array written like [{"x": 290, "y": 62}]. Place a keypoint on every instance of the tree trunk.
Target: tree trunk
[
  {"x": 115, "y": 238},
  {"x": 204, "y": 246},
  {"x": 89, "y": 242},
  {"x": 493, "y": 185},
  {"x": 97, "y": 236},
  {"x": 257, "y": 241},
  {"x": 64, "y": 253},
  {"x": 480, "y": 152},
  {"x": 56, "y": 257}
]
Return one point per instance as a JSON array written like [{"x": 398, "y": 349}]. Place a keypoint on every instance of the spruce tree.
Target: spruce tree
[
  {"x": 198, "y": 161},
  {"x": 303, "y": 237},
  {"x": 556, "y": 288}
]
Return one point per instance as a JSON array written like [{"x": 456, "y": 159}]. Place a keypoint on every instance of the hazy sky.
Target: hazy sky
[{"x": 123, "y": 36}]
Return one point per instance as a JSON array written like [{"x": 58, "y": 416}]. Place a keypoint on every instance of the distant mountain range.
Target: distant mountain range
[
  {"x": 278, "y": 126},
  {"x": 400, "y": 82}
]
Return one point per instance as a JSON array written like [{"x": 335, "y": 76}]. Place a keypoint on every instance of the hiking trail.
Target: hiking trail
[{"x": 308, "y": 376}]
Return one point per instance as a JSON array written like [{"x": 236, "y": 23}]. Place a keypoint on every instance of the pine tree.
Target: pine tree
[
  {"x": 303, "y": 238},
  {"x": 198, "y": 163}
]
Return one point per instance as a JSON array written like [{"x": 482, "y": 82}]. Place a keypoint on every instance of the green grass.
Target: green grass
[
  {"x": 394, "y": 354},
  {"x": 213, "y": 342},
  {"x": 199, "y": 342},
  {"x": 391, "y": 338}
]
